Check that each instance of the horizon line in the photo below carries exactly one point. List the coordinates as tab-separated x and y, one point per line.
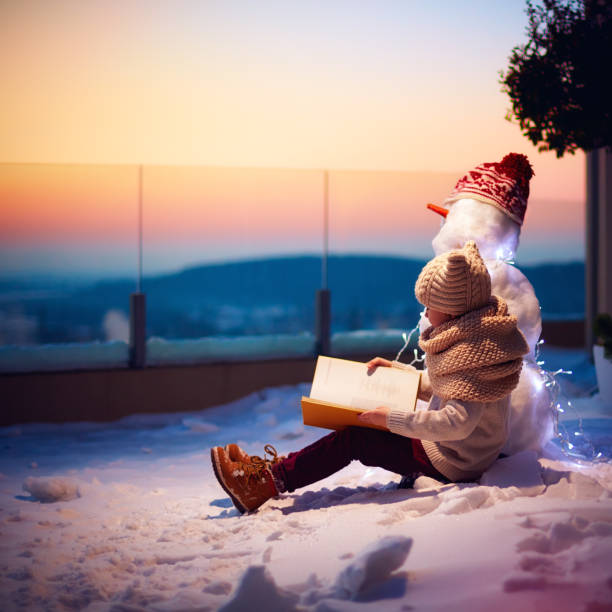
116	274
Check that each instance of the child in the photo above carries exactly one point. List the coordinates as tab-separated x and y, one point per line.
473	353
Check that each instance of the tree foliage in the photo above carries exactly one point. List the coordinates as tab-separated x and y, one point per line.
560	81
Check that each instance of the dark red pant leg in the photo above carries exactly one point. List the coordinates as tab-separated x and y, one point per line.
331	453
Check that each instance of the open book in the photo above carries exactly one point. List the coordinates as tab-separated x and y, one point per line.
343	389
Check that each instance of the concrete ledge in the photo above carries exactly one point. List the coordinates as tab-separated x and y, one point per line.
106	395
568	334
109	394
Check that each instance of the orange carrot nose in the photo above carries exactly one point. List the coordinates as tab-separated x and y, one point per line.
438	209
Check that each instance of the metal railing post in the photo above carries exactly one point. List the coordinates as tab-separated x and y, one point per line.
323	321
138	302
138	333
323	295
592	246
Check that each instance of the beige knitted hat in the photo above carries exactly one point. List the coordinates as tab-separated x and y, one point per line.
455	282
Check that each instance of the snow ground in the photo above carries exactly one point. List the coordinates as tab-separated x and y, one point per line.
128	516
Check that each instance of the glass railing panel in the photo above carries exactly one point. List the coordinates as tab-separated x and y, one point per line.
231	251
68	237
237	252
380	235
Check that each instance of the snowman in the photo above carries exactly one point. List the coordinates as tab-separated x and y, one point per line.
488	206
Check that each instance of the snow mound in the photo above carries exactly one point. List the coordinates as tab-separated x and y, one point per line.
49	490
373	567
258	591
521	470
571	553
369	577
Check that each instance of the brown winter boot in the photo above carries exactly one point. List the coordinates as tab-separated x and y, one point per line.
236	453
249	484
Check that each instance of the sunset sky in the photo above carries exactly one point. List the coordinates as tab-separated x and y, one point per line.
234	108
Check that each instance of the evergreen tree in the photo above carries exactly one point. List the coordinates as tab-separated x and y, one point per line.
560	81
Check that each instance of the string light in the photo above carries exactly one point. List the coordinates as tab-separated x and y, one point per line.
417	359
585	451
548	380
407	338
505	254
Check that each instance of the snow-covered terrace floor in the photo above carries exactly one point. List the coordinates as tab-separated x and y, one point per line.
133	519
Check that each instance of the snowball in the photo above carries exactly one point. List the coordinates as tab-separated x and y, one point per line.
50	490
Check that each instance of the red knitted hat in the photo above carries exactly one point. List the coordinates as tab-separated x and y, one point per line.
504	185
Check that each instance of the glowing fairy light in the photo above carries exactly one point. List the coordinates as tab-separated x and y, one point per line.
407	338
562	371
559	405
584	453
506	254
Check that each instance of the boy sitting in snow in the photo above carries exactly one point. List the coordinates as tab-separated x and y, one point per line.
473	353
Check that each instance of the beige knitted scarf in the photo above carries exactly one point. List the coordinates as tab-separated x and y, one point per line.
475	357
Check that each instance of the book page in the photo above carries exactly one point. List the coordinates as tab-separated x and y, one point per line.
348	383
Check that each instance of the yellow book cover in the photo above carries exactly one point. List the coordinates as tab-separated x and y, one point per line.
342	389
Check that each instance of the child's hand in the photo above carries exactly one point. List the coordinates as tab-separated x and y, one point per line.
376	362
378	416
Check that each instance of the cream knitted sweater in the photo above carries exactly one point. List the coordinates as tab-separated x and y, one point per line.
473	363
462	439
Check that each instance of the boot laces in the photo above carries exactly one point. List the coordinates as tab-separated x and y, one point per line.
255	469
270	450
270	457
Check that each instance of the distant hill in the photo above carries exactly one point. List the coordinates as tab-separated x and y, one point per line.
271	296
560	288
